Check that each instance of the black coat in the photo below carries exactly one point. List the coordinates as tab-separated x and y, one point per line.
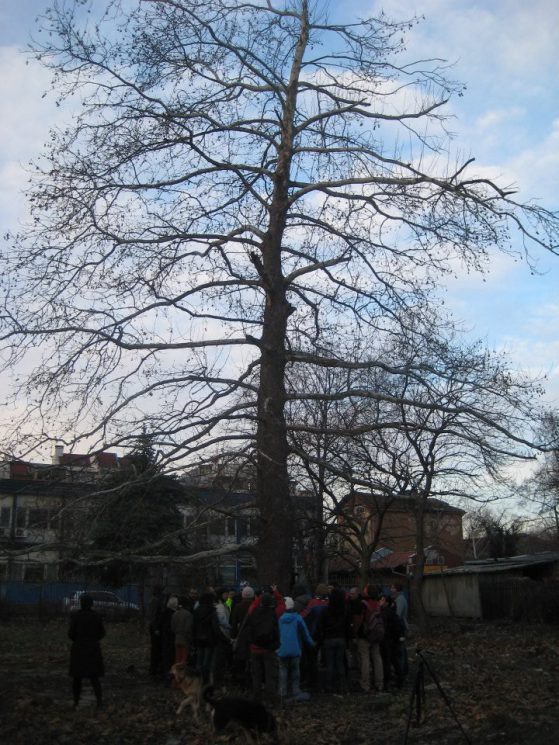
86	630
206	631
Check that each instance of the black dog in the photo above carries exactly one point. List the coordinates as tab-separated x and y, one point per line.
249	714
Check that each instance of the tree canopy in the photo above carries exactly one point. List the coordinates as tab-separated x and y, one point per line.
242	186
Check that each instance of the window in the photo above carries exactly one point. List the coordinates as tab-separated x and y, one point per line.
230	526
20	517
217	527
5	515
243	527
228	574
201	535
38	518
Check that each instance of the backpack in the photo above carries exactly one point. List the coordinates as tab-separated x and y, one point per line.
203	627
264	629
373	627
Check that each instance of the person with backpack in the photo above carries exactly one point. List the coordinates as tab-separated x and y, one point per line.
264	639
292	631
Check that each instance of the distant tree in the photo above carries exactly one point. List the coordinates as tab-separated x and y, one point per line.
493	535
242	186
543	487
139	510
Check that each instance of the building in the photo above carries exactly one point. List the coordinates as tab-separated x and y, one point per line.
521	588
34	519
43	507
385	529
220	511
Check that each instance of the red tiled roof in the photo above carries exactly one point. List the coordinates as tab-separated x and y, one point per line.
67	459
107	460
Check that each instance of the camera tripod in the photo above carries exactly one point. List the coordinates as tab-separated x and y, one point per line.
417	699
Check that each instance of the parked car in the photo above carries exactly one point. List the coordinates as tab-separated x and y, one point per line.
105	602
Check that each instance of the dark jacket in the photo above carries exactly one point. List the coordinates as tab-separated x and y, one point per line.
334	622
263	630
181	626
205	630
394	627
86	631
238	615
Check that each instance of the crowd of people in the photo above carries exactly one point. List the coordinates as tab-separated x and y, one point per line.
283	646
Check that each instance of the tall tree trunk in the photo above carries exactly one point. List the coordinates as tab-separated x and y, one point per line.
275	545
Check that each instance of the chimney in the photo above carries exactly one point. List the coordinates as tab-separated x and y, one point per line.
57	455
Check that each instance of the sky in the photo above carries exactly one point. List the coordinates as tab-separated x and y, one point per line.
504	51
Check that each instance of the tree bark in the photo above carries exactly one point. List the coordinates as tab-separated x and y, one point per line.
275	546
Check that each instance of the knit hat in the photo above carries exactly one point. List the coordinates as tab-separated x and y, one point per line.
247	592
322	590
268	600
289	603
173	602
300	589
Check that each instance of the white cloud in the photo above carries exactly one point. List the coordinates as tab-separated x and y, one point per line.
498	117
24	124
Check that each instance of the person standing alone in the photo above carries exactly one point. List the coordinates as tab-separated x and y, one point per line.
86	659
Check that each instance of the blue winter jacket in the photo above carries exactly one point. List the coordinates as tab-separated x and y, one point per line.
292	629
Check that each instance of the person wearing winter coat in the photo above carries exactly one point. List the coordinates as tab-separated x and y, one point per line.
222	658
263	636
154	617
311	615
292	630
401	606
86	659
168	636
239	636
181	626
394	630
333	631
205	634
368	650
301	597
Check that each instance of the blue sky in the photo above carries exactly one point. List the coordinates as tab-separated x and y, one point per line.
505	51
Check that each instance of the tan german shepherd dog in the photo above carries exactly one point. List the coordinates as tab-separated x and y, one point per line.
190	683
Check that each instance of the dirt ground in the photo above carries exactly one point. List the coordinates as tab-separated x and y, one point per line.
502	682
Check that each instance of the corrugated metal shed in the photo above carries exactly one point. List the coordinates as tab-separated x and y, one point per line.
507	564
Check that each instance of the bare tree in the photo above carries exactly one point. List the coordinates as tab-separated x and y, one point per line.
240	182
441	421
542	488
493	534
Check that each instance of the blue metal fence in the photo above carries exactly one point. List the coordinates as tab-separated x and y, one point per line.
46	598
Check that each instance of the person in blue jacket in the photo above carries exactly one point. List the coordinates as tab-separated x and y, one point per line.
293	631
